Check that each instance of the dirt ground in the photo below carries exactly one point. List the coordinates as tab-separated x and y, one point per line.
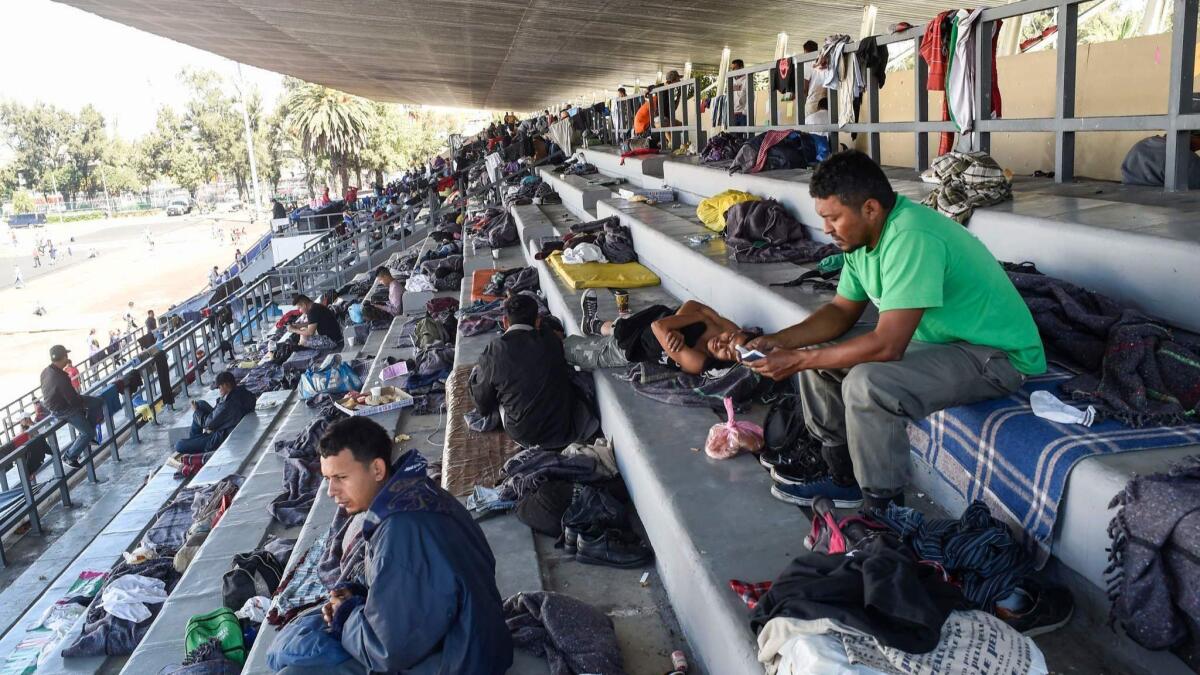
80	293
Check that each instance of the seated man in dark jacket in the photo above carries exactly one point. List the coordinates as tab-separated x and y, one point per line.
523	375
210	425
428	601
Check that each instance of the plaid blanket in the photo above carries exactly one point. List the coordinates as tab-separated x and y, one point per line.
1000	452
968	180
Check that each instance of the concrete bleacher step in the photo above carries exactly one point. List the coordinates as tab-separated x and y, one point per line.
578	193
684	498
125	531
644	172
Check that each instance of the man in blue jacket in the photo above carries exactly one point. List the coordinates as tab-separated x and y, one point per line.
210	425
428	601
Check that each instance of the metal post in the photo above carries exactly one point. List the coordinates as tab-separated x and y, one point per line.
920	109
873	144
772	100
111	429
833	118
31	510
1064	141
697	119
132	415
751	113
983	83
60	475
1183	61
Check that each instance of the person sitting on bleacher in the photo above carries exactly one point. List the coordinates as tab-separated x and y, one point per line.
952	330
523	376
321	331
211	424
687	338
395	303
428	601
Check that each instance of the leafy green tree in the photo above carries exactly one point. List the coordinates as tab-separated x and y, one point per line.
168	151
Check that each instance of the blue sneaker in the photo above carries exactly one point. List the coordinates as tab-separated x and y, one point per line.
803	494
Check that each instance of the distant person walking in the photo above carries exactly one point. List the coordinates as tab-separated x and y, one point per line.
277	211
67	404
130	322
37	257
151	323
93	343
214	277
18	278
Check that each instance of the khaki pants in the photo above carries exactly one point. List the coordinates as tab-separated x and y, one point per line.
593	352
861	414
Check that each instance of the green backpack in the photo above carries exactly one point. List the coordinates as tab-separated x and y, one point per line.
222	625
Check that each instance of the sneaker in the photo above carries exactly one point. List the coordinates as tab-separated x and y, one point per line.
1049	608
799	473
613	548
803	494
72	462
803	464
589	304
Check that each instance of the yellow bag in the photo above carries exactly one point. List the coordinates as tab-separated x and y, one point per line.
602	275
711	211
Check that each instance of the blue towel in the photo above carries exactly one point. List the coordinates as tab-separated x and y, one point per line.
305	642
998	451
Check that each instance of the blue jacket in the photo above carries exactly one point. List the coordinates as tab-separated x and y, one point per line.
230	410
431	604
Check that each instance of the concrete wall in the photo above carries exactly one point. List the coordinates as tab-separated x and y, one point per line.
284	249
1126	77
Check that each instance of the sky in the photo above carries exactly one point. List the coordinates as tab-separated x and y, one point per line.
70	58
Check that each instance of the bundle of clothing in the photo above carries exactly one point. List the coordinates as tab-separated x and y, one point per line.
576	168
763	231
877	608
721	147
780	149
573	636
512	281
604	240
106	634
499	231
1135	368
544	194
966	180
1154	571
301	472
668	385
445	273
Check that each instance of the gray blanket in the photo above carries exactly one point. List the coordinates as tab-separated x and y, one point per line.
573	636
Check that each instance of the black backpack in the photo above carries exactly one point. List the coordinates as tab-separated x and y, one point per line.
255	573
784	427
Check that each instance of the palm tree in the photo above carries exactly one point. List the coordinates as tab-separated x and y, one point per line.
331	124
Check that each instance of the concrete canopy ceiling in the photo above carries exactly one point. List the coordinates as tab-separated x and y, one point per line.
494	54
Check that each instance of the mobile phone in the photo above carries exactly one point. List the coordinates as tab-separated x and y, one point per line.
749	355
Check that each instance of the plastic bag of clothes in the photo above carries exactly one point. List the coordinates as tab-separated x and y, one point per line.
333	377
728	438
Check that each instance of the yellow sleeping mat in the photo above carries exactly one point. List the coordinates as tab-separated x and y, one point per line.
602	275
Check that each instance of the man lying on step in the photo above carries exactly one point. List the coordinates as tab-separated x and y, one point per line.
686	338
952	330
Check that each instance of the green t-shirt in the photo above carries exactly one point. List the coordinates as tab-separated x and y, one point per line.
926	261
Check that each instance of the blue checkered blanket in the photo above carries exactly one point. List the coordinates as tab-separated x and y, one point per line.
1018	463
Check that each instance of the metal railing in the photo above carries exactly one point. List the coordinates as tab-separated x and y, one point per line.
189	352
677	105
1178	122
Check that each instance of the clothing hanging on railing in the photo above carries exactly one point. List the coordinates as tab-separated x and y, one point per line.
948	47
783	78
828	59
851	84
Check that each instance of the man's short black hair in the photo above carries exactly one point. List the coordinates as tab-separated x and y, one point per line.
300	298
737	64
521	309
383	269
226	378
852	177
810	46
823	104
365	439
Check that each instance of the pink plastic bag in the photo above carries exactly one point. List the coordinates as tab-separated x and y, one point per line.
728	439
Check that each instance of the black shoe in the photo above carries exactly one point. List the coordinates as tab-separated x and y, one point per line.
570	540
589	306
802	471
1051	608
801	462
73	463
613	548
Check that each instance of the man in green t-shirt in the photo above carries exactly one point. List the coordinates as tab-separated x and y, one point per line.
952	330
